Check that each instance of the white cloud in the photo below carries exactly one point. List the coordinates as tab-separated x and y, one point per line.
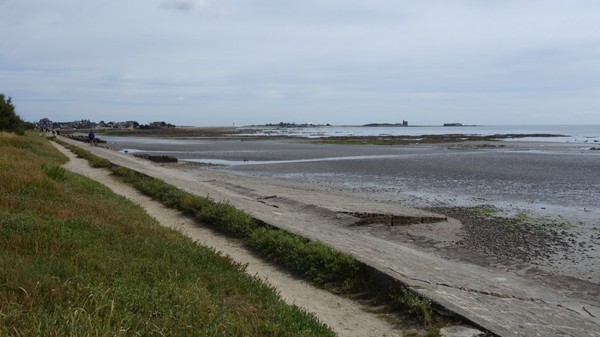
336	61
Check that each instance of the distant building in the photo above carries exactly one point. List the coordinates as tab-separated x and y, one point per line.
45	123
127	125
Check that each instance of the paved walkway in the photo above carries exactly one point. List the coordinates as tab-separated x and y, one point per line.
504	303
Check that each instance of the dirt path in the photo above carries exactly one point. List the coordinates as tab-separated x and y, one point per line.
344	316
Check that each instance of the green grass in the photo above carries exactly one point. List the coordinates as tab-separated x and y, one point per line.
78	260
491	212
484	210
314	261
311	260
520	217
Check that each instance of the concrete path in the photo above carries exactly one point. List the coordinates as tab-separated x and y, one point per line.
503	303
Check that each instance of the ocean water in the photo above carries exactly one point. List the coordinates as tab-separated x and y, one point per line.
571	133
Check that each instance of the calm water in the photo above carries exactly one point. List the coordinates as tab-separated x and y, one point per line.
572	133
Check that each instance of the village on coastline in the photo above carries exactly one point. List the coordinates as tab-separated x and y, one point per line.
47	124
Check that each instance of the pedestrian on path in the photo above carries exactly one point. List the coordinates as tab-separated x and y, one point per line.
92	138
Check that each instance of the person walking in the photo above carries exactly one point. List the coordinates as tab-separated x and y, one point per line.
92	138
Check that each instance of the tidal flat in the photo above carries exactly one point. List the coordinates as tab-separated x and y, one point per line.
551	188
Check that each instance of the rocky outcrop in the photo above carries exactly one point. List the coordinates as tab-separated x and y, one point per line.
157	159
392	219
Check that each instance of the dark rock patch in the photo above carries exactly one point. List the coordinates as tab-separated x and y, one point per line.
157	159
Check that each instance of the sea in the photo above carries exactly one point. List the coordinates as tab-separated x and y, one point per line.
569	133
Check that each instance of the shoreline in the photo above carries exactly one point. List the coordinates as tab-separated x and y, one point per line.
571	247
294	209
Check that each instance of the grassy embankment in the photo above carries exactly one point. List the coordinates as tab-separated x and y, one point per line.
78	260
313	261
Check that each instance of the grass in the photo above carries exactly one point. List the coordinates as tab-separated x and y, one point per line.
78	260
520	217
313	261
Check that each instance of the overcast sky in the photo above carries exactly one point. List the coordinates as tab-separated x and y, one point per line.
219	62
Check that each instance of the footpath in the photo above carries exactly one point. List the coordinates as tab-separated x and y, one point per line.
503	303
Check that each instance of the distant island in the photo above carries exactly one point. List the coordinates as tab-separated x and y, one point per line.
291	125
404	123
457	124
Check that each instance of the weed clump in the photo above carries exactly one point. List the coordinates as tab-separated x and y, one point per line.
55	172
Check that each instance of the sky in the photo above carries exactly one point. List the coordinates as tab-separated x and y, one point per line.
340	62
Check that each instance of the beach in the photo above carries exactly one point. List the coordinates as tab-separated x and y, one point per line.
472	254
554	186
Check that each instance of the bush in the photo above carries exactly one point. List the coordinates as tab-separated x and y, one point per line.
9	120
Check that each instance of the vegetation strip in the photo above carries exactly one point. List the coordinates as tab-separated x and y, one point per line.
423	139
79	260
313	261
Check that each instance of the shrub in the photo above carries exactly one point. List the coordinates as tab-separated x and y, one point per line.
9	120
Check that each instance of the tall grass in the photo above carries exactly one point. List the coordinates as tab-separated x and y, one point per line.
78	260
311	260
